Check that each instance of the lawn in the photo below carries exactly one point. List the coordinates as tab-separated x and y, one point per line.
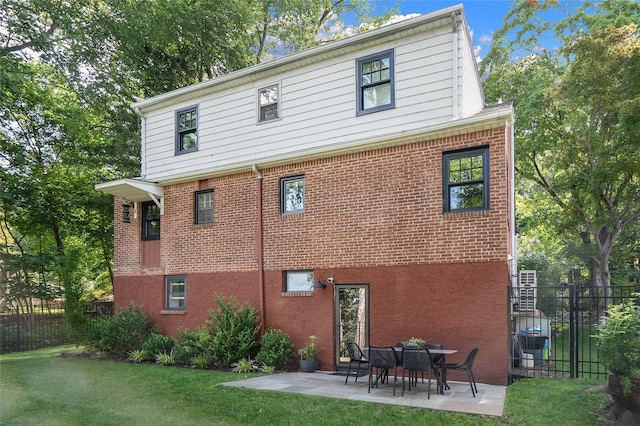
39	387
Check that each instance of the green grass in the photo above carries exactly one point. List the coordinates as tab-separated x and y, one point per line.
38	387
588	352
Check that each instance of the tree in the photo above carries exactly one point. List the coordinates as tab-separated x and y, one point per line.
68	74
578	112
286	26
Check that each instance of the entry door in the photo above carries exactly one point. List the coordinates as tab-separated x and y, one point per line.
351	307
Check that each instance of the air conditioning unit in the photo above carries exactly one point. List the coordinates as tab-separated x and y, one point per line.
527	290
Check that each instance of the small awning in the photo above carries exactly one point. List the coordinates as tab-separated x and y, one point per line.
132	190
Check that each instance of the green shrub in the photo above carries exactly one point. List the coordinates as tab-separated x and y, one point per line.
165	359
101	334
276	348
118	334
192	344
137	355
156	344
267	369
233	331
200	361
618	339
132	327
244	366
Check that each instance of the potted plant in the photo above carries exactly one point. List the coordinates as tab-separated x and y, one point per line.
414	342
618	339
308	361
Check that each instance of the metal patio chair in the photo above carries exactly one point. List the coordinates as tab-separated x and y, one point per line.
467	366
383	359
416	360
355	355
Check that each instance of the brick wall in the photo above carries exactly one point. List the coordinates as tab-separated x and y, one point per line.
373	217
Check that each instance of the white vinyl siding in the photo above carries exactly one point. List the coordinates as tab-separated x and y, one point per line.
318	110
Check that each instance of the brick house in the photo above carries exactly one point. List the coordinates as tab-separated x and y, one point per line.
360	190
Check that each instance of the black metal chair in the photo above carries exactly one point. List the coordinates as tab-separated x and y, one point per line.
355	355
438	361
467	366
416	360
383	359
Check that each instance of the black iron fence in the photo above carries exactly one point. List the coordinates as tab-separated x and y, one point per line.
556	339
42	325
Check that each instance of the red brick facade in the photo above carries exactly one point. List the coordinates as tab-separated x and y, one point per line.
373	217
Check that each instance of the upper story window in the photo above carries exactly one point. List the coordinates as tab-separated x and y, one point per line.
292	195
466	180
204	206
187	130
375	84
269	103
150	221
298	281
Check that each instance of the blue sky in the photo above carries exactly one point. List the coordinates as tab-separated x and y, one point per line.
483	16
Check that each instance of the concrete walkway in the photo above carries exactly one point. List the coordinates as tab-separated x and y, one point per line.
488	401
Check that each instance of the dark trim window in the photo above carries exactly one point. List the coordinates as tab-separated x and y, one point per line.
204	206
298	281
466	180
187	130
375	83
292	195
150	221
269	103
176	293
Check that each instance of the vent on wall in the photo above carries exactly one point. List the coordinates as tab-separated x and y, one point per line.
527	290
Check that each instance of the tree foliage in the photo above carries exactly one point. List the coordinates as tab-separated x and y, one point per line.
68	74
578	112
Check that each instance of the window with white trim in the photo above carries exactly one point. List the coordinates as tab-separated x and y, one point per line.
375	83
269	103
176	287
187	130
466	180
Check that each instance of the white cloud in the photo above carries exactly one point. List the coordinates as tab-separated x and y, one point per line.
486	38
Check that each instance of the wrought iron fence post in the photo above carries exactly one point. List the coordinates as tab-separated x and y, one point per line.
573	331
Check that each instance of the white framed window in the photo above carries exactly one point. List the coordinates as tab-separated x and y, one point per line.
298	281
176	290
466	180
292	195
204	206
375	83
187	130
269	103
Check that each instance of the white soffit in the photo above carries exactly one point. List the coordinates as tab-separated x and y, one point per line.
132	190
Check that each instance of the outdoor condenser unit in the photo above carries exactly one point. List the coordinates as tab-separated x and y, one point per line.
527	290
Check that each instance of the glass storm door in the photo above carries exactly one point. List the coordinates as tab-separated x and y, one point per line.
352	319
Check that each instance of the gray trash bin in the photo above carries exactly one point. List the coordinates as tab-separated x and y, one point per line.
534	345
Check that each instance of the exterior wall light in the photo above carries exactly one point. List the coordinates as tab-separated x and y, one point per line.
125	213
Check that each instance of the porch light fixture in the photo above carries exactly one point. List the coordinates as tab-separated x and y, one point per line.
125	213
320	284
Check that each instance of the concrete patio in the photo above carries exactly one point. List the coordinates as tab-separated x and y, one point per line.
488	401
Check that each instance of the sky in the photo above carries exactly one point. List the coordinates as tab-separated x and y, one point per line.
483	16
